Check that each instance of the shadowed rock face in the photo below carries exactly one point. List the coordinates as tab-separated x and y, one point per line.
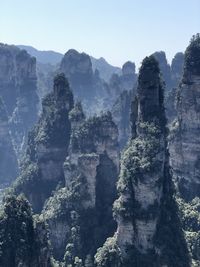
150	96
177	69
86	84
144	191
121	112
122	92
105	69
18	91
91	170
128	77
185	139
164	68
171	95
47	146
8	159
145	207
78	69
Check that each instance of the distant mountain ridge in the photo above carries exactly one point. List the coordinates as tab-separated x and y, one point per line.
52	57
45	57
105	69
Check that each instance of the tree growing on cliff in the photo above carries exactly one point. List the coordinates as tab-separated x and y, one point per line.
23	238
149	230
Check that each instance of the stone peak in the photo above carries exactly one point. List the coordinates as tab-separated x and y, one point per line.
160	55
75	54
192	57
128	68
150	91
149	71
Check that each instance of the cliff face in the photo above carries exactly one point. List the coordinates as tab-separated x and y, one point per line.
121	112
8	160
78	69
47	147
185	139
124	81
171	95
86	85
18	91
148	232
185	147
80	214
164	68
171	76
122	92
45	74
177	69
128	77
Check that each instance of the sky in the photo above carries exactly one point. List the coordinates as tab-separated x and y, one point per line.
118	30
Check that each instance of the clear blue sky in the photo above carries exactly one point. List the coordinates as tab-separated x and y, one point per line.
118	30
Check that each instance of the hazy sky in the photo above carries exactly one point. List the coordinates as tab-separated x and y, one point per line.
118	30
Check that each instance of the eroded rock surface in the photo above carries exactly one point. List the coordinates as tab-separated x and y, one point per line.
81	213
145	210
47	147
18	89
185	139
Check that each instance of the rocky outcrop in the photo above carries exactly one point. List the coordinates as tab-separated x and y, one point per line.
78	69
122	93
128	77
126	81
171	95
86	85
185	147
177	69
8	160
121	112
171	76
149	231
18	91
83	208
164	68
45	75
47	147
185	139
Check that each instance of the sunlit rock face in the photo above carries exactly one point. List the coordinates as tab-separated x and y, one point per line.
18	91
145	210
97	135
8	159
47	149
185	139
147	189
91	171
